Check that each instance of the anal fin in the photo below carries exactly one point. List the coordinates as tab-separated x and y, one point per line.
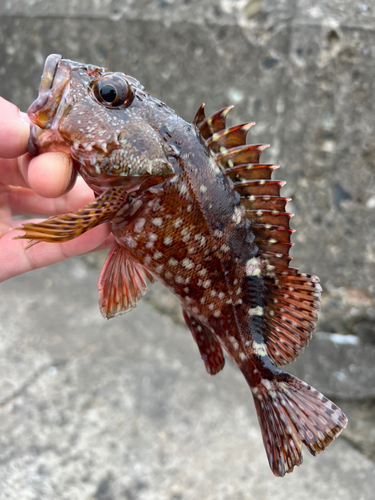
209	348
121	283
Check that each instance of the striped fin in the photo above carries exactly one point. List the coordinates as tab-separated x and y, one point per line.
214	123
229	137
121	284
292	413
293	302
292	298
66	227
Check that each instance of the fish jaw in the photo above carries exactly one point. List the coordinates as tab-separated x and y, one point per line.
53	103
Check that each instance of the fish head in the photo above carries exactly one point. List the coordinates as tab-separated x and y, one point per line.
104	120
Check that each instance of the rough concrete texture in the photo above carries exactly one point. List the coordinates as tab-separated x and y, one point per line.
303	72
115	410
98	410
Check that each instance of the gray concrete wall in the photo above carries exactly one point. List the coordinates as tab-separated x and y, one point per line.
304	71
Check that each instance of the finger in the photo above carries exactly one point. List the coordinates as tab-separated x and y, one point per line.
13	172
24	201
50	174
16	260
14	130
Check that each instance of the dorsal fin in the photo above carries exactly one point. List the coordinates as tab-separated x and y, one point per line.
213	123
292	298
199	117
229	137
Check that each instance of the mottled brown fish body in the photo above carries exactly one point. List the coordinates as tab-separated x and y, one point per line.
191	206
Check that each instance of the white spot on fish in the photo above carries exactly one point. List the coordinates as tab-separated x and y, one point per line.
206	283
158	221
188	263
256	311
203	188
158	255
168	241
252	267
234	342
178	222
217	313
259	348
139	225
173	262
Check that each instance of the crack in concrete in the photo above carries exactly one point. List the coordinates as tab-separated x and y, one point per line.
28	383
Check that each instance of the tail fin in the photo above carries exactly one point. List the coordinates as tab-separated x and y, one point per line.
290	413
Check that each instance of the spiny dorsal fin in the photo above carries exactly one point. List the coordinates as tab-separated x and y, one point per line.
293	298
229	137
214	123
200	116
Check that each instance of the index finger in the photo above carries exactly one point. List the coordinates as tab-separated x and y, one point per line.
14	130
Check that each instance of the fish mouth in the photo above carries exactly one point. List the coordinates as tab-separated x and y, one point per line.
45	112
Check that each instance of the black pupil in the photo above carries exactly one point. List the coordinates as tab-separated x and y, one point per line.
108	93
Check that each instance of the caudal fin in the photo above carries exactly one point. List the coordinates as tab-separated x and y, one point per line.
290	413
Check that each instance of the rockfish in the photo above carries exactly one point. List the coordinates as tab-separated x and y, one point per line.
192	206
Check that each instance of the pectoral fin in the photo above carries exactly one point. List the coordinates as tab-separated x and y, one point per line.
66	227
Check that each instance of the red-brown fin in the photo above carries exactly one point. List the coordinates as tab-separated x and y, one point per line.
66	227
229	137
199	117
292	305
150	277
248	153
292	413
292	299
214	123
209	348
121	283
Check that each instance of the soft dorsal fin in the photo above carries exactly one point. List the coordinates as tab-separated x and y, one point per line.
292	298
121	283
209	348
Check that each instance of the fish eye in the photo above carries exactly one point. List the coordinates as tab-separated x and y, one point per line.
113	91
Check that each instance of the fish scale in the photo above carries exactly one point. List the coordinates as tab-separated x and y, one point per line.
192	206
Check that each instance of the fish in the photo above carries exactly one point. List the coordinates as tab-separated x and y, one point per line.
192	206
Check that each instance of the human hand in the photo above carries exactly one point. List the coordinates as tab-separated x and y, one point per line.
36	186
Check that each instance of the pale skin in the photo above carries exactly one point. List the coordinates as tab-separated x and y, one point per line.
41	186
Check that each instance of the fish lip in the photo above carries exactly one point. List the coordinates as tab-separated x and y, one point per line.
46	111
46	83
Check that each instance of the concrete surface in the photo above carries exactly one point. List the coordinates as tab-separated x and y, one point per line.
92	409
98	410
304	72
